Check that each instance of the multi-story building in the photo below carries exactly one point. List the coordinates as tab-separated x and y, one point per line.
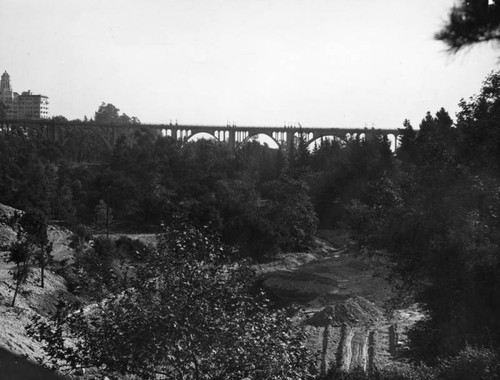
31	106
24	106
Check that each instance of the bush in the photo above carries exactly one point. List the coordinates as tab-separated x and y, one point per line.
81	234
407	372
471	364
130	248
400	372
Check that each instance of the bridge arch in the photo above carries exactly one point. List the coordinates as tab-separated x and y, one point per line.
255	136
317	140
108	140
202	135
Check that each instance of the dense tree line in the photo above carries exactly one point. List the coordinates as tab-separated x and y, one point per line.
261	199
440	222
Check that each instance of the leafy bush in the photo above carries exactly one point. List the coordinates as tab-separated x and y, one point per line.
81	234
471	364
400	372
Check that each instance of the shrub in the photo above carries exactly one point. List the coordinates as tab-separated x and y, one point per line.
81	234
400	372
471	364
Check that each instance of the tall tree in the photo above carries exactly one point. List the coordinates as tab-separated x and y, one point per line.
34	232
21	255
478	125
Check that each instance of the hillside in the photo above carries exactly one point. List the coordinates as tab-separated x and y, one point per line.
32	300
340	290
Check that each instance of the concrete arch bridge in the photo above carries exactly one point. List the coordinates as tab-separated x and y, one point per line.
234	135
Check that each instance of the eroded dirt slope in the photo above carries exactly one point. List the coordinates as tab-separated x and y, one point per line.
341	290
32	299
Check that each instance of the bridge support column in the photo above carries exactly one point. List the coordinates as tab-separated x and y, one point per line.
290	137
232	139
173	133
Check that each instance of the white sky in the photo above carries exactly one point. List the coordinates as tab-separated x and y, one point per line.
328	63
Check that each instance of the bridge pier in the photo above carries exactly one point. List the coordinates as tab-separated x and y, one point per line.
290	137
232	139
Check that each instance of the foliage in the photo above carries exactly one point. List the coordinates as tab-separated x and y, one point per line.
103	216
187	314
471	22
443	231
103	266
109	114
399	372
290	213
471	364
81	235
278	218
34	233
26	177
346	173
478	128
21	255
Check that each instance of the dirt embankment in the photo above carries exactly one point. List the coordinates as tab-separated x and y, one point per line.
341	290
32	300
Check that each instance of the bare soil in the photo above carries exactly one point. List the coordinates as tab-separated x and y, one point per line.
333	271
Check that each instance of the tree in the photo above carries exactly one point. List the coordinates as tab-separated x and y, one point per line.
478	127
34	234
299	157
109	114
21	255
444	231
59	119
103	215
32	245
471	22
187	314
289	213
